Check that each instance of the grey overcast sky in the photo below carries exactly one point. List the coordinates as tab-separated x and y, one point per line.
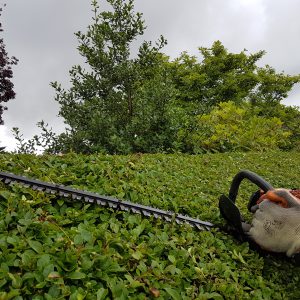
40	33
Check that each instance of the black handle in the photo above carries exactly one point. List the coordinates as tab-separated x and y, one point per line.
253	177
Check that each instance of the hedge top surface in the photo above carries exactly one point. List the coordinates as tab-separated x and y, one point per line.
51	248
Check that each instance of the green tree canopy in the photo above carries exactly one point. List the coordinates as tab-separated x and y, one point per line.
109	106
222	76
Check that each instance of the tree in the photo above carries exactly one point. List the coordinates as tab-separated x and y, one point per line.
6	86
222	76
109	105
126	101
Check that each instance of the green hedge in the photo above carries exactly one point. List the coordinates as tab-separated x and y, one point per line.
51	248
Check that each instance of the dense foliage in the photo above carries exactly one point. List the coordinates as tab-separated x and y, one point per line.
51	248
128	102
119	104
229	127
221	76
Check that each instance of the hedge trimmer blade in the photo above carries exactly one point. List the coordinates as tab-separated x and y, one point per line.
114	203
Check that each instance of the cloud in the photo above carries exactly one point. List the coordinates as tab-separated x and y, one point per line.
6	139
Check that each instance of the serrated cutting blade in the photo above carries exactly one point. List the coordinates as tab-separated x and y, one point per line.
85	196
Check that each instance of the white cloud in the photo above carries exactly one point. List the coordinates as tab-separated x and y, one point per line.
6	139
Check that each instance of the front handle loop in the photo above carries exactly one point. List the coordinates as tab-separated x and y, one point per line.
227	205
253	177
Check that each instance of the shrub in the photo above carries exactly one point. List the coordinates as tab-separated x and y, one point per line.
230	128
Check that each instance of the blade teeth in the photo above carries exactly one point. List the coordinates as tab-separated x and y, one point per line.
124	208
7	181
76	197
40	189
64	194
199	227
135	210
50	191
113	205
167	218
89	199
178	221
146	213
156	216
101	202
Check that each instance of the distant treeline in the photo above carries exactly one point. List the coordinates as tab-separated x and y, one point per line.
121	103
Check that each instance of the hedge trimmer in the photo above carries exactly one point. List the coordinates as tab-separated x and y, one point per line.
84	196
228	208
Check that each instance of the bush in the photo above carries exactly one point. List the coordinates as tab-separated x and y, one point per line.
238	128
54	248
290	116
